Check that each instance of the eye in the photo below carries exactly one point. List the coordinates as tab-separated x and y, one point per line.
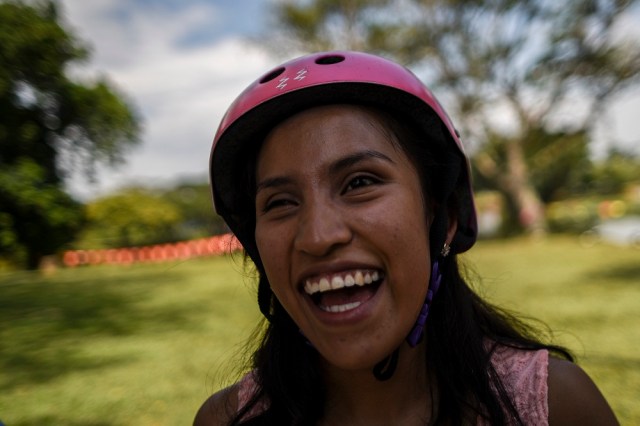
277	202
361	181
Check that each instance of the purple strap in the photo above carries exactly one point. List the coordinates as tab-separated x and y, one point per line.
415	336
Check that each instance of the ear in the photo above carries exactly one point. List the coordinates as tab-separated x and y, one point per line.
443	228
451	230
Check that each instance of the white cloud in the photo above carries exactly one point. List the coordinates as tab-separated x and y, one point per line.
619	126
182	92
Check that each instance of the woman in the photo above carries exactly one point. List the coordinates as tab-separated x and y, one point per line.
347	185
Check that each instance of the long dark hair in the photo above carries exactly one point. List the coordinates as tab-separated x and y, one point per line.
462	330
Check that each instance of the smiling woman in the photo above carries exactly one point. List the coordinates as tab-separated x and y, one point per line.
351	215
348	187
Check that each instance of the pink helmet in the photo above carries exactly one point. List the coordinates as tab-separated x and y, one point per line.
320	79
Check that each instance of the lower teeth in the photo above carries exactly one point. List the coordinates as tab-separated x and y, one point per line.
341	308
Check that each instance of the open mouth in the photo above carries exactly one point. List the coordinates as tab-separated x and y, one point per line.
344	291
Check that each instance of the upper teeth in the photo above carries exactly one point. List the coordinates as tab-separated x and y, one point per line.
359	278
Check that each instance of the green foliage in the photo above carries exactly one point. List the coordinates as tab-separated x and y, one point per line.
194	201
36	217
144	216
327	24
24	33
584	192
132	217
614	173
49	126
558	162
573	216
101	128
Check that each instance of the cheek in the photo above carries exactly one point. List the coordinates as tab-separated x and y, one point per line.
272	249
267	249
403	225
417	225
409	240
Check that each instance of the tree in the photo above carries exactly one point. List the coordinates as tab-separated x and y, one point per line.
194	202
139	216
614	173
131	217
50	125
558	163
35	216
508	71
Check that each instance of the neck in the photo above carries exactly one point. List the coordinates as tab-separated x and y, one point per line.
356	397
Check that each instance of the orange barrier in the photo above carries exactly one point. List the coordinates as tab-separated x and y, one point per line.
183	250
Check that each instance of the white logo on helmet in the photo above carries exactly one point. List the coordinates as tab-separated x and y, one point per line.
282	83
300	74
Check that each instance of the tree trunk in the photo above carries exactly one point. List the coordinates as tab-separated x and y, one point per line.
517	186
33	260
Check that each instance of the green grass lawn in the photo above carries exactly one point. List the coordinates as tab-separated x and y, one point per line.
146	344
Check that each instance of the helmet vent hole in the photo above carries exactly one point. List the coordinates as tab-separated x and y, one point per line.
273	74
328	60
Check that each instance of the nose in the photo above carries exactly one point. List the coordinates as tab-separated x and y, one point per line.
321	230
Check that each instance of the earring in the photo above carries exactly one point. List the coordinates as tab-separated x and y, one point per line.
446	248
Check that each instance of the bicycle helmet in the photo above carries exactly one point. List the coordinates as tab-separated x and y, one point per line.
333	78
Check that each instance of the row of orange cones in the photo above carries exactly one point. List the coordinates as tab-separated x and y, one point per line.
211	246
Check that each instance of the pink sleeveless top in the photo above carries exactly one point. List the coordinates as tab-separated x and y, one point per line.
523	374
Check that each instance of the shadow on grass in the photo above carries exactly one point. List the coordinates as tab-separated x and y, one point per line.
45	323
51	420
26	366
629	271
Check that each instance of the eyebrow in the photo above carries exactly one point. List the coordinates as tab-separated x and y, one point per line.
355	158
273	182
335	167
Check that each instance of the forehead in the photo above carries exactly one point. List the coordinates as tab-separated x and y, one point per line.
323	133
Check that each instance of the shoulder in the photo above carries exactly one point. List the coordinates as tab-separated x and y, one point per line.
219	408
574	399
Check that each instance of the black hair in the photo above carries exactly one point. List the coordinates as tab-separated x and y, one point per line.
462	330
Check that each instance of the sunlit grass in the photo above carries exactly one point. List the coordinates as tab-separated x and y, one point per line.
590	298
146	344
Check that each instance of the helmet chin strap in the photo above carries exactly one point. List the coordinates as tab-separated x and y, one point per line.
384	370
417	332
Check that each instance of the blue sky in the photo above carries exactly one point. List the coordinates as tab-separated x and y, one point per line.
182	62
231	17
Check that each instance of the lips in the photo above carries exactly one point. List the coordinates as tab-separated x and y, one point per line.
344	291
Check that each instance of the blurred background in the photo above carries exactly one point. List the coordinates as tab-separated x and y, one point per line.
115	303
